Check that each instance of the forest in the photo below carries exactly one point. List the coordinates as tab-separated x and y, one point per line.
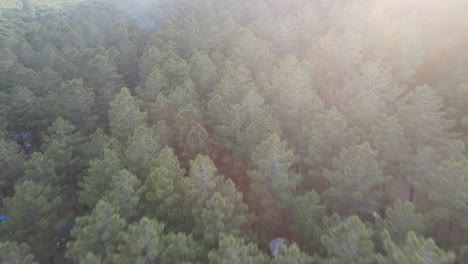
233	131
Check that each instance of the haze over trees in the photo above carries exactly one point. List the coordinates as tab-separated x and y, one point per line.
197	131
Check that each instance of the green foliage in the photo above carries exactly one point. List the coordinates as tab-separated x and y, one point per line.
402	218
124	193
306	215
202	72
97	233
292	98
354	181
423	120
416	249
124	116
11	252
61	145
40	168
292	255
325	136
389	141
33	213
163	191
75	103
142	149
273	163
349	242
11	165
452	186
273	184
98	178
217	207
142	243
180	248
97	143
310	109
236	250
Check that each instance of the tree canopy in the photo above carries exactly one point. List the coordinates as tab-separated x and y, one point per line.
197	131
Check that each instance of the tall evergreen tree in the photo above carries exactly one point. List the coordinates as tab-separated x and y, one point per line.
355	181
273	184
99	176
236	250
124	115
33	215
402	218
416	249
97	233
349	242
14	253
11	166
143	148
142	243
124	193
217	206
423	120
164	191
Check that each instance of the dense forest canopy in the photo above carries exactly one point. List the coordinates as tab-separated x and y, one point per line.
233	131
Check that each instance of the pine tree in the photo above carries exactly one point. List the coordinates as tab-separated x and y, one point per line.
242	126
164	193
145	242
197	142
75	102
449	178
155	83
349	241
224	212
236	250
423	120
124	115
306	215
13	253
447	188
390	143
217	206
97	233
273	163
293	101
324	138
235	83
293	255
11	166
416	249
23	111
174	68
402	218
61	145
90	258
33	214
273	184
124	192
97	143
142	243
355	181
181	248
203	72
40	168
99	70
98	178
142	150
